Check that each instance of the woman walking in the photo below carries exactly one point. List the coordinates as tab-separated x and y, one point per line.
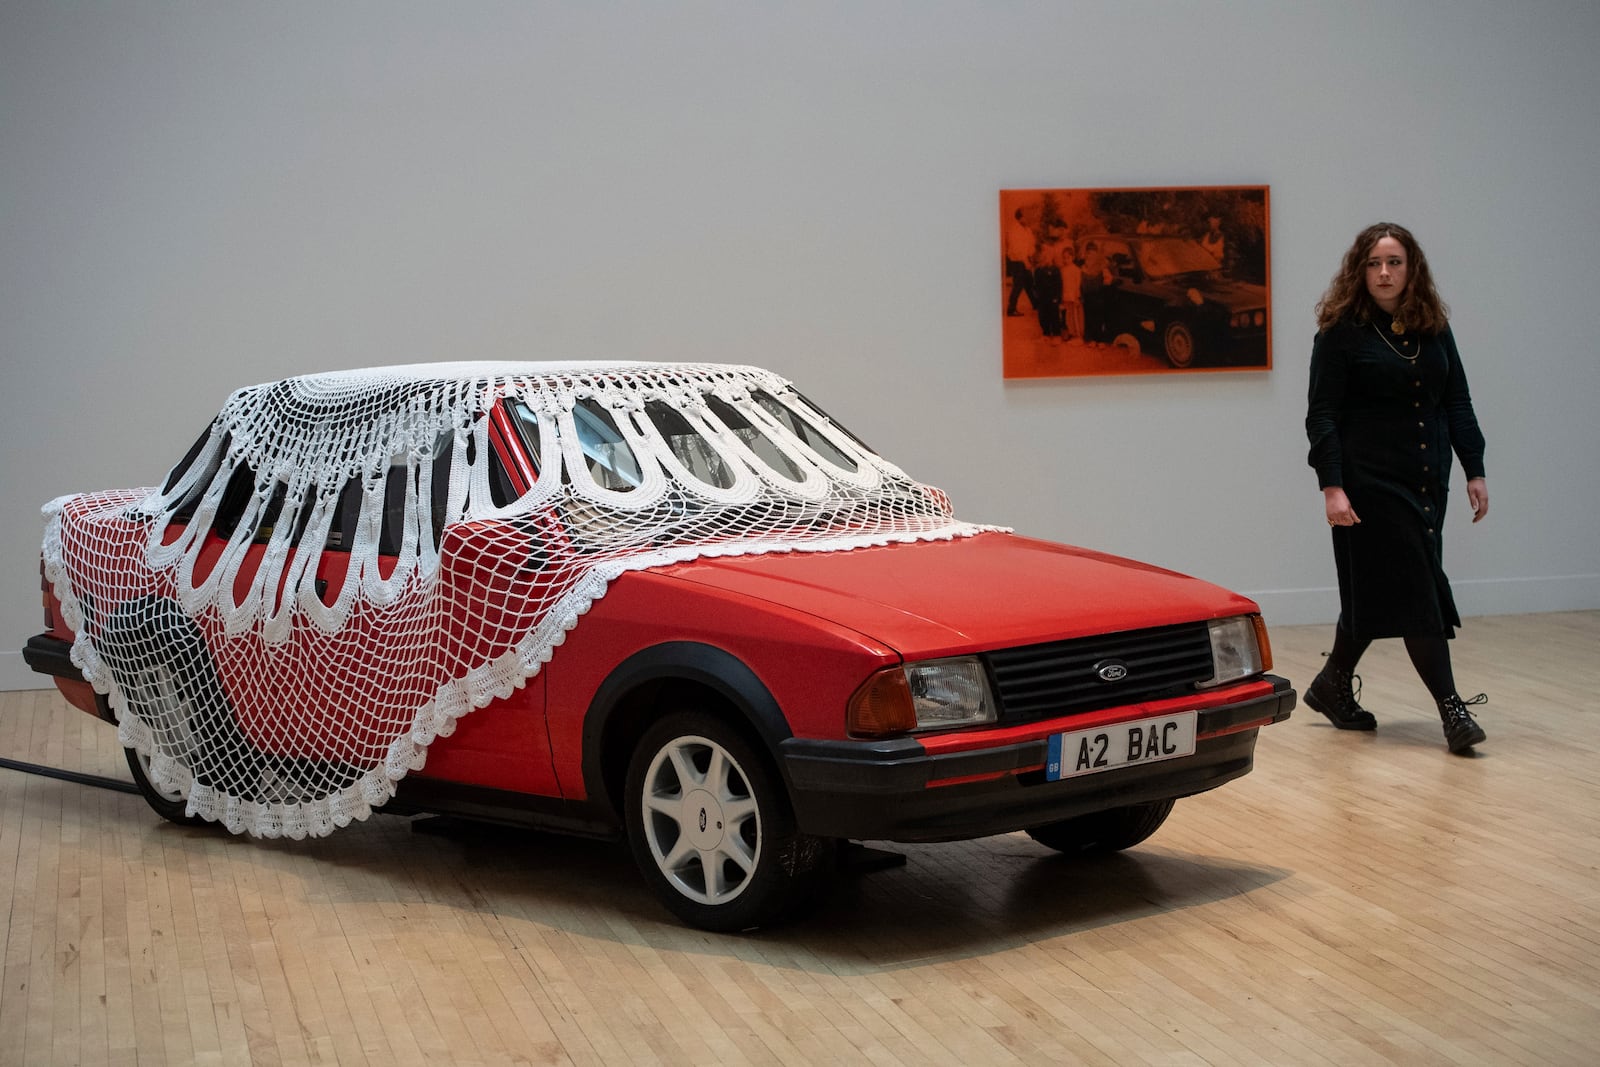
1388	404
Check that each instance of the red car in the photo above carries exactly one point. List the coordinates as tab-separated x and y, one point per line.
675	602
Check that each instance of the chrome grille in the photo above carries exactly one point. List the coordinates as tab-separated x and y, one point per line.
1059	678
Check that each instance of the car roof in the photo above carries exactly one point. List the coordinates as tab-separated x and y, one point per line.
480	370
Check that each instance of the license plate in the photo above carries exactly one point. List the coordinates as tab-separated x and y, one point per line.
1127	744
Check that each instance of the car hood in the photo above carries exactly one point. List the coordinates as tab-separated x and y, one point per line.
992	590
1233	295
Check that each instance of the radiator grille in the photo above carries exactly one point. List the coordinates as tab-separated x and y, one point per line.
1043	681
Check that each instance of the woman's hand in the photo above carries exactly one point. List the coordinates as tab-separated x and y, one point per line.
1340	513
1478	497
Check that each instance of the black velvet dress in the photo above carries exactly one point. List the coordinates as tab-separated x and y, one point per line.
1386	410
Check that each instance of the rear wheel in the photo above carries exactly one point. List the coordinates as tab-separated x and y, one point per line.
1104	831
712	829
170	804
161	663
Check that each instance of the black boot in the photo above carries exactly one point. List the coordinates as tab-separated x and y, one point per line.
1331	693
1461	731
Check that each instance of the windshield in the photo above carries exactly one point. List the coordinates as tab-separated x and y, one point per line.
613	464
1174	255
611	461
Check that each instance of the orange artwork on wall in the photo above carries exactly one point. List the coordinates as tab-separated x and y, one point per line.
1135	281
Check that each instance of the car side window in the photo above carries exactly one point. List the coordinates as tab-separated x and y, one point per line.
443	460
1120	257
271	513
346	513
236	496
392	530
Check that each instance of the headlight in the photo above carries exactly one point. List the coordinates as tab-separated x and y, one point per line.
1239	649
935	694
949	692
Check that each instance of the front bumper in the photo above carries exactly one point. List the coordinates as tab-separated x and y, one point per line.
897	791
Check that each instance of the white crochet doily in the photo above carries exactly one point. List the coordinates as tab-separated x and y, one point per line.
339	571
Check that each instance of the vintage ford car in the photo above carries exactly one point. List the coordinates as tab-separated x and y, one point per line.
1171	295
673	602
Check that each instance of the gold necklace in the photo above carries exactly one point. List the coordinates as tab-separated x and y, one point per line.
1409	359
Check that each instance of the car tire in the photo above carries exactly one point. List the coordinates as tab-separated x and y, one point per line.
1177	341
1104	831
162	665
171	805
712	830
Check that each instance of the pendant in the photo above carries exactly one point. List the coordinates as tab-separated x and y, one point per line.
1397	326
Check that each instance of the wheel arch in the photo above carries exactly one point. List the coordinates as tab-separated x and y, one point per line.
648	683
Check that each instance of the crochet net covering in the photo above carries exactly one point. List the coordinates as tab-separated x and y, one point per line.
346	563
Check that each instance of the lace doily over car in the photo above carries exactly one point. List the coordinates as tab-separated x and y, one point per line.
347	563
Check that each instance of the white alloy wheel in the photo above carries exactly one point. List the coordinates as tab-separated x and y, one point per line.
1179	344
701	820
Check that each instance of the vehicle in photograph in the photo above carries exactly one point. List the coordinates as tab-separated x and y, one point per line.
674	603
1172	297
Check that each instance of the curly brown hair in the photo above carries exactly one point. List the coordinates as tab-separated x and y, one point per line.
1347	297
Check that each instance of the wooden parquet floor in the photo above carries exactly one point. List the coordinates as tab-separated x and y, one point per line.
1357	899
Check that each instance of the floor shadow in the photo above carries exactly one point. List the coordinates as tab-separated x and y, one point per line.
951	900
946	901
1003	892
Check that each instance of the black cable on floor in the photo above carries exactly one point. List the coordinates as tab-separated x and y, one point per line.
97	780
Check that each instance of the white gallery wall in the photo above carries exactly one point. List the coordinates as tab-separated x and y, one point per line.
197	197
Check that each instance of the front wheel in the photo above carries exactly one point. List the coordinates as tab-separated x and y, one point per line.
1177	340
712	830
1104	831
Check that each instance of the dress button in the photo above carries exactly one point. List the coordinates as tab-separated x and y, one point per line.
1424	470
1424	447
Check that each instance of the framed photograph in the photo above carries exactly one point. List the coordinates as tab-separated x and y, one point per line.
1135	281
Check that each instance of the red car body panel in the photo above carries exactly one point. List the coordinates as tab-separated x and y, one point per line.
813	626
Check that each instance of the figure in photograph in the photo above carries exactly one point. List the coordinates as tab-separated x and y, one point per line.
1213	240
1388	404
1047	289
1092	275
1019	252
1071	293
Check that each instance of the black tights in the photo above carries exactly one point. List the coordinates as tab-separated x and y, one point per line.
1430	655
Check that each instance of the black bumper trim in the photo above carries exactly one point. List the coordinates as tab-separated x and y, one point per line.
881	790
48	654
